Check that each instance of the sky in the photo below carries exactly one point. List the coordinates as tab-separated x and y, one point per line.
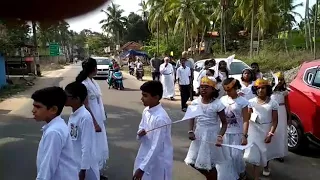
92	19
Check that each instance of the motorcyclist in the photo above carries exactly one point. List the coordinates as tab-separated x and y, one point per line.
139	69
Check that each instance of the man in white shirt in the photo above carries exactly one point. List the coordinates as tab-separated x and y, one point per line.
167	79
154	160
55	158
82	132
184	80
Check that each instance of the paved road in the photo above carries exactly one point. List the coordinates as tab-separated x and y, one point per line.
19	137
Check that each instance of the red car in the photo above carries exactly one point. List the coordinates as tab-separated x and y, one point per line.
304	102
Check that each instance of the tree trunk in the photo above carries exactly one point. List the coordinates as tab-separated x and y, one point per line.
306	24
259	35
221	29
202	38
36	53
314	30
158	38
185	37
252	28
224	32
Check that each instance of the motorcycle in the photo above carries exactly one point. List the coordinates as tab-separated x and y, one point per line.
115	81
131	71
139	73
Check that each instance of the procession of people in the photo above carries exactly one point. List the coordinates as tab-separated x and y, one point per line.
250	113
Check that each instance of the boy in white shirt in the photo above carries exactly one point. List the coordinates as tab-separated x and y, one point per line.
154	160
184	80
82	132
55	159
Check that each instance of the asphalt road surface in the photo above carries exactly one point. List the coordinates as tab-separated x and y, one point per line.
20	135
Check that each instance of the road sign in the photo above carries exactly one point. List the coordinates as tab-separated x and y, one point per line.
54	49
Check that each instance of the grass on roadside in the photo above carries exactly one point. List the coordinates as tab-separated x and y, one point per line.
275	61
10	90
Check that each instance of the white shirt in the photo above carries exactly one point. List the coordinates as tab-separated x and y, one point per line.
263	111
55	158
155	155
234	114
82	133
183	74
166	70
210	117
247	90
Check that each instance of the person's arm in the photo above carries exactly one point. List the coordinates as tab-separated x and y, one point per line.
246	117
52	144
95	123
286	102
178	75
189	75
156	146
86	127
224	123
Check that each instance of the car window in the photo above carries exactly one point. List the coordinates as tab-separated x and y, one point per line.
309	75
199	66
237	67
316	80
103	61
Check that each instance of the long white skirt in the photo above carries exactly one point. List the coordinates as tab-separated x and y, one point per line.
279	145
168	86
257	154
203	153
102	149
232	169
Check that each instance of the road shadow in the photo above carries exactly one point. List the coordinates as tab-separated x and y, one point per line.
311	151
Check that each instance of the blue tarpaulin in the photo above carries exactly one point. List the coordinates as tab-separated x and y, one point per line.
133	53
2	72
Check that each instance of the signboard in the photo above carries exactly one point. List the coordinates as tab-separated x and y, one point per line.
54	49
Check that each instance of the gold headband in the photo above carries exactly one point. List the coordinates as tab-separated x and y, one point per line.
207	81
261	82
230	85
280	75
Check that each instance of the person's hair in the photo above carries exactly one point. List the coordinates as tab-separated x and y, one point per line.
212	60
88	67
77	90
51	96
256	64
236	86
154	88
219	65
268	87
252	74
211	71
277	88
215	93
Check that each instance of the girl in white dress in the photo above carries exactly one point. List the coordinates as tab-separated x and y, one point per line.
247	81
237	116
205	151
262	126
256	70
280	94
94	104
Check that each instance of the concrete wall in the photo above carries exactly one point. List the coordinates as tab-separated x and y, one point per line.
2	72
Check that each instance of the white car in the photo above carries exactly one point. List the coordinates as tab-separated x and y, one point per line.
103	64
236	68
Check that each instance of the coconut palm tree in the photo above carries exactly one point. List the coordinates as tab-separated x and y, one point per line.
115	23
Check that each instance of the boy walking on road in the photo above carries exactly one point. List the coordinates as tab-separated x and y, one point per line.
55	159
184	80
82	132
155	157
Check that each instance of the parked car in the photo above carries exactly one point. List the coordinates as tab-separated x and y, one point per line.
236	69
103	66
304	102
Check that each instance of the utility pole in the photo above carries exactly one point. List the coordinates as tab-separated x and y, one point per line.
35	50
